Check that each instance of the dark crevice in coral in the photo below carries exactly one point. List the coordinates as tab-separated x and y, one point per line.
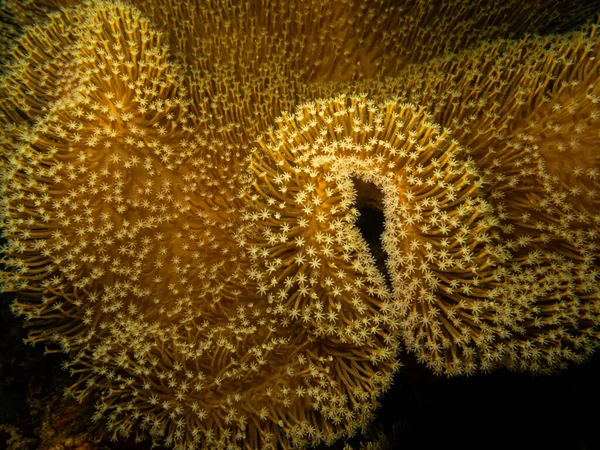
371	223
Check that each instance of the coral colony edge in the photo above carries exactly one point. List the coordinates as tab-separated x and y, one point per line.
181	185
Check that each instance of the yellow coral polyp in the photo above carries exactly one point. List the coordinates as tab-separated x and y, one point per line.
180	192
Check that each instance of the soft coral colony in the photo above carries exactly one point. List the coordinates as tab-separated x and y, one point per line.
179	207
